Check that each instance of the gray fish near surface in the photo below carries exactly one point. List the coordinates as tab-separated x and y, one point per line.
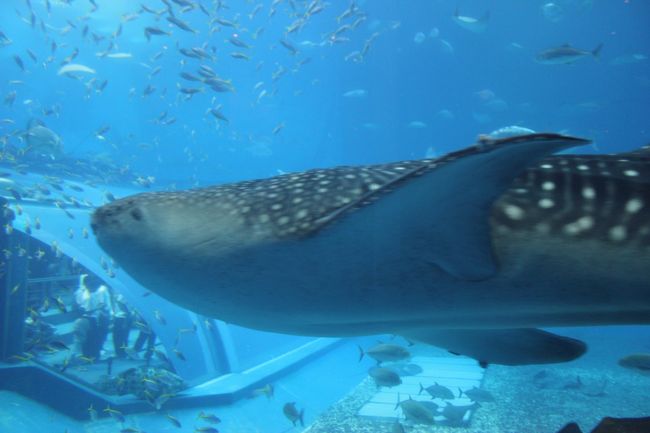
335	248
385	353
438	391
416	412
478	395
565	54
384	377
639	362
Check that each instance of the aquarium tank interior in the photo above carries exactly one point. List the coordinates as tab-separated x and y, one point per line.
324	216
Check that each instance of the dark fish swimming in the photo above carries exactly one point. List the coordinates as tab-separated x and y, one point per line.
293	415
471	252
639	362
438	391
416	411
565	54
385	353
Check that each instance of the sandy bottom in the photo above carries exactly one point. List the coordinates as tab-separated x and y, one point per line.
524	404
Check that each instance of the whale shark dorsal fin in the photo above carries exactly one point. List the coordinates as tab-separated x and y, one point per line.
503	346
450	203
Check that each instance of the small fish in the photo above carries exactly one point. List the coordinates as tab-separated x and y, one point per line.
179	354
236	41
191	90
216	112
225	23
115	414
293	415
477	395
19	62
174	421
92	412
385	353
356	93
22	358
181	24
565	54
476	25
289	46
278	128
74	67
60	304
10	98
438	391
159	317
149	31
239	55
266	390
208	417
189	77
62	369
32	55
206	430
258	7
119	56
639	362
148	90
384	377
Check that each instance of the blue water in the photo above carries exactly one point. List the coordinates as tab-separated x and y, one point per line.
410	96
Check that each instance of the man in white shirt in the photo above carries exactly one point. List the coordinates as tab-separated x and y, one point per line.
94	300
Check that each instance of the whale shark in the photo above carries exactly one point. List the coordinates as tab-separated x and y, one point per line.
474	251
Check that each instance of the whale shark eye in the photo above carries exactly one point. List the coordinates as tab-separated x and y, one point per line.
136	214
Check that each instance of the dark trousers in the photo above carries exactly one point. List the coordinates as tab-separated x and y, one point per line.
96	336
150	338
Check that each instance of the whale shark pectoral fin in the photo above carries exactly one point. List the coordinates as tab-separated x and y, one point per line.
503	346
467	254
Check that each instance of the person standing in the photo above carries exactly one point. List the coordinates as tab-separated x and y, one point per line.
91	329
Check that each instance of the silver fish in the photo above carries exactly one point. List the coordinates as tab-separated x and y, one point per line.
565	54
